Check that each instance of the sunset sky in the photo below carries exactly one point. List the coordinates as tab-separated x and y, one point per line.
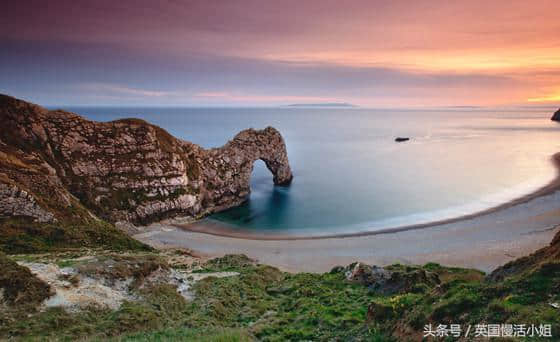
371	53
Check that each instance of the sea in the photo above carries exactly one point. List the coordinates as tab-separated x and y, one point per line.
351	176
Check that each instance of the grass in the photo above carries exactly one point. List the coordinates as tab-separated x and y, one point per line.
464	297
19	286
263	303
188	334
21	236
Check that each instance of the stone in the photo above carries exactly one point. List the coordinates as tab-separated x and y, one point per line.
17	202
392	279
125	170
401	139
556	116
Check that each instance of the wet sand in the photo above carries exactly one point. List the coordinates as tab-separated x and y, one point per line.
484	240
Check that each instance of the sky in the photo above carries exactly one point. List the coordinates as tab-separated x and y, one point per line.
374	53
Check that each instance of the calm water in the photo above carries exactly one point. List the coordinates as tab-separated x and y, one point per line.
350	175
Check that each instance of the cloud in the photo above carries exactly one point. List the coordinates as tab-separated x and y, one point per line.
389	52
120	91
253	98
551	97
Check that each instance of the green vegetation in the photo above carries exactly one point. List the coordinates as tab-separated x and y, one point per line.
19	286
24	236
465	298
260	303
263	303
229	262
201	335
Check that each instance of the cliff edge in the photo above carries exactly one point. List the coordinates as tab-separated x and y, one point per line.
53	161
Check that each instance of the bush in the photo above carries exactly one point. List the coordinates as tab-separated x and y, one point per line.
19	286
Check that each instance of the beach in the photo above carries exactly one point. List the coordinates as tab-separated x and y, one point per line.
483	241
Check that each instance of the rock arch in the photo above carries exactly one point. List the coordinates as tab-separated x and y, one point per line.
227	170
124	170
266	145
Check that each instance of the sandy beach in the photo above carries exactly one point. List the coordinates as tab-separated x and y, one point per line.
484	240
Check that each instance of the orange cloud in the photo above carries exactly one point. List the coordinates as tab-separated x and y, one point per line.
555	97
290	50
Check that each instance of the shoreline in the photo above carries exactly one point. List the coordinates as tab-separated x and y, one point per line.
483	241
220	229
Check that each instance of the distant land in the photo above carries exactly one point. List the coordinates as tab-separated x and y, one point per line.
332	104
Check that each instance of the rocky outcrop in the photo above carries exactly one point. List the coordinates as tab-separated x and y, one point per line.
556	116
17	202
391	279
125	170
100	280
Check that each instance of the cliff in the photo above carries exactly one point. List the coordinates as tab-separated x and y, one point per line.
556	116
53	161
541	259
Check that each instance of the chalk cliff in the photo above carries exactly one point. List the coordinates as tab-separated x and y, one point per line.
124	170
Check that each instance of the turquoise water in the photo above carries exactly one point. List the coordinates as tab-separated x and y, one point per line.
350	175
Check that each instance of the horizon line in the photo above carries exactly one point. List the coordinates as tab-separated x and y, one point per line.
316	107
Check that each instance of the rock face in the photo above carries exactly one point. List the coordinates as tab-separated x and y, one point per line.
391	279
124	170
556	116
17	202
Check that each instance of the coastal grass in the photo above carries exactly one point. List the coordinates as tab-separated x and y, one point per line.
23	236
19	286
186	334
262	303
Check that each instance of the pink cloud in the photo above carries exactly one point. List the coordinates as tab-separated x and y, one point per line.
253	98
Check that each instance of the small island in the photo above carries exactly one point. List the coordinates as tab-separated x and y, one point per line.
323	105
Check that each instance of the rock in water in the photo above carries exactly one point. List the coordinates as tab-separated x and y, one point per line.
401	139
124	170
556	116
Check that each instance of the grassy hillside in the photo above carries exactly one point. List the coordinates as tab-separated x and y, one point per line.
24	236
263	303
